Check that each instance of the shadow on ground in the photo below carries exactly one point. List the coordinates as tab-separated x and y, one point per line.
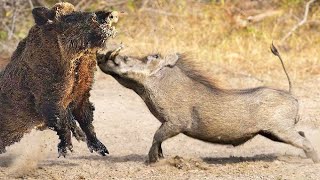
115	159
233	159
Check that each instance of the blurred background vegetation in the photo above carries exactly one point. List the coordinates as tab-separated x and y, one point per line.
232	35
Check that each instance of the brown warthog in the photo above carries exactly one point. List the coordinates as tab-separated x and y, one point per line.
186	101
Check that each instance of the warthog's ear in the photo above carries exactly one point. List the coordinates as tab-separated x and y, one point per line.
42	15
171	59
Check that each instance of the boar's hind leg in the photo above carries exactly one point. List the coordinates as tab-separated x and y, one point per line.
76	131
2	147
84	115
57	120
165	131
297	139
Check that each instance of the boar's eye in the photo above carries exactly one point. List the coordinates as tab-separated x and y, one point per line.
70	18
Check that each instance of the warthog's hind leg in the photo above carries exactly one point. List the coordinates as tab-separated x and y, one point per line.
298	140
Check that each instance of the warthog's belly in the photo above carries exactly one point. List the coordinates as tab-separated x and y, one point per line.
222	139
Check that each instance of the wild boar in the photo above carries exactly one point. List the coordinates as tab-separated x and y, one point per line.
49	77
187	101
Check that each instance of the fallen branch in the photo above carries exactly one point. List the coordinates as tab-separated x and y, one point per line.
304	20
262	16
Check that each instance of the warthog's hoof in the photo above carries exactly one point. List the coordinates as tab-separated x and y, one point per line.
314	156
98	147
153	158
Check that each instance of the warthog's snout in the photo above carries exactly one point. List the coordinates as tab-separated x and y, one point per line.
108	55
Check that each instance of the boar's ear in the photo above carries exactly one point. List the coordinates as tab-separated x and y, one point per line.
171	59
42	15
63	8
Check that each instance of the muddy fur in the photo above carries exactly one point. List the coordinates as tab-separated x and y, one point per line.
186	101
49	78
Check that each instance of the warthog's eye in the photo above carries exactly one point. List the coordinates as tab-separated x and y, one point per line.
156	56
153	57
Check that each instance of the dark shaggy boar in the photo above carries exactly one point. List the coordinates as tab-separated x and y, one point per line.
186	101
49	78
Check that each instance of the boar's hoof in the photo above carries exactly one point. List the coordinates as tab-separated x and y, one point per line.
78	134
62	149
98	147
2	150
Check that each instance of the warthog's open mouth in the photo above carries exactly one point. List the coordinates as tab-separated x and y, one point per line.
108	54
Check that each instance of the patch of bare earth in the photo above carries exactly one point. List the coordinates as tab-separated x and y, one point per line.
126	127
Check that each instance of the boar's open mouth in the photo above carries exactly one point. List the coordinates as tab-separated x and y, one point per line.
106	28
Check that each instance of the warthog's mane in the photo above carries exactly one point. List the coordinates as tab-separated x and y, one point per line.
194	71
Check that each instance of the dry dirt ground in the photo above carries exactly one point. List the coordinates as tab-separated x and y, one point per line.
124	124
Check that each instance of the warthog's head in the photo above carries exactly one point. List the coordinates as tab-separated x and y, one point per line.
75	30
133	68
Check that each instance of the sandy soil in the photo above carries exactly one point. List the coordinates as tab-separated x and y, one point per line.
124	124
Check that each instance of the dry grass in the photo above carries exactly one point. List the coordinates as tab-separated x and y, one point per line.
211	33
218	34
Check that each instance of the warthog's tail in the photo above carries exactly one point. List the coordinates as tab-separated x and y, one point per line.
276	53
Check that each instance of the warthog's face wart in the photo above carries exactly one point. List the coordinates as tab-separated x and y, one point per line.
76	30
134	68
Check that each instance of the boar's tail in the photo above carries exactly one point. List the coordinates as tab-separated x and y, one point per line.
276	53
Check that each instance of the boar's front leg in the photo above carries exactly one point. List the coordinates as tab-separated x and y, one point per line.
57	119
166	131
84	115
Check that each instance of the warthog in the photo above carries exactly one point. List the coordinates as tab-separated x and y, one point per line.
186	101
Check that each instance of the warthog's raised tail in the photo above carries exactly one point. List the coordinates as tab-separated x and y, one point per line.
275	51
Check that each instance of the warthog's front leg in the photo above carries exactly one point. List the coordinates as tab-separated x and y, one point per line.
84	115
165	132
